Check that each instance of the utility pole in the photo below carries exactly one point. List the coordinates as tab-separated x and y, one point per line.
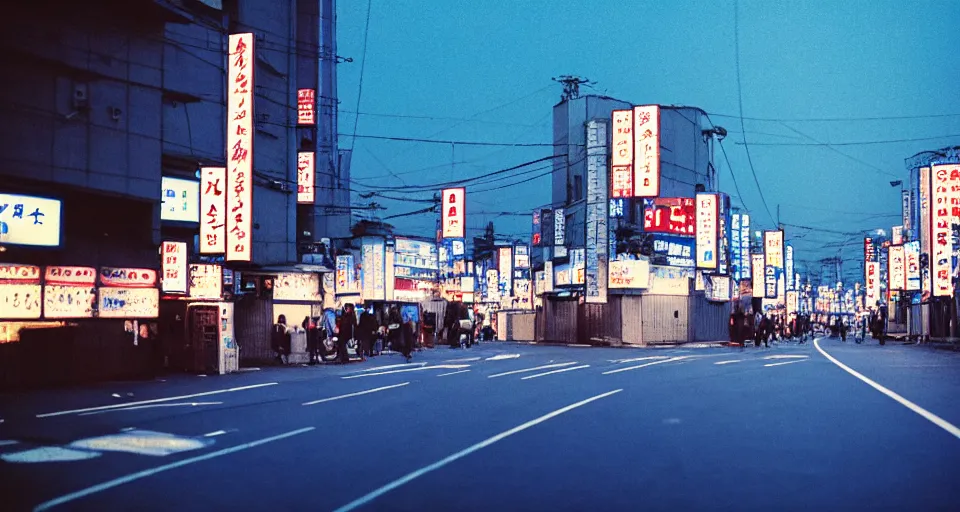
571	86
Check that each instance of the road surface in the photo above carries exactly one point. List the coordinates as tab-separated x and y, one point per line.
506	427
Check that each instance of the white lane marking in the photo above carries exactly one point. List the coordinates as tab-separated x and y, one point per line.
8	442
127	429
391	367
358	393
635	359
730	361
158	400
405	370
556	371
216	433
409	477
786	357
67	498
785	362
452	373
501	357
463	360
579	345
544	367
672	359
933	418
149	406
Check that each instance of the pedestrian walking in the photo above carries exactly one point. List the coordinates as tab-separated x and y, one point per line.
347	331
280	339
313	339
394	329
367	332
766	327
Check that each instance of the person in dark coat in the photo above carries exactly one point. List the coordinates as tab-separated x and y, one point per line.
451	322
736	326
395	329
367	332
280	339
407	337
313	338
347	328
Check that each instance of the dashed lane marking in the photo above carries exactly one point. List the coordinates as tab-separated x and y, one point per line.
556	371
783	363
618	370
348	395
405	370
526	370
452	373
729	362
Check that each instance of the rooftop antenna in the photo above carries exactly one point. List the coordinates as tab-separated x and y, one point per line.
571	86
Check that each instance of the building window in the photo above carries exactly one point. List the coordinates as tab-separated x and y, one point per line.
578	187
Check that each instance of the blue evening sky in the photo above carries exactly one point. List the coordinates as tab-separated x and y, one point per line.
481	71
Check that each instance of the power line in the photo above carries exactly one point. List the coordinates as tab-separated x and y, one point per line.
835	119
363	63
438	118
860	143
435	186
736	37
455	142
837	151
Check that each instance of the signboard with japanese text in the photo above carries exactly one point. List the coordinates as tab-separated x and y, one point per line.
872	283
736	246
745	260
924	228
521	257
707	229
897	271
306	106
128	303
536	238
597	227
773	249
213	206
673	251
944	211
896	236
562	275
756	262
717	288
548	280
128	277
792	302
174	266
629	274
206	281
373	256
179	200
346	283
577	265
453	214
68	276
723	234
617	208
20	292
297	286
68	301
30	220
869	251
306	177
559	227
621	157
670	215
788	267
240	92
505	266
905	203
670	281
646	151
911	253
416	259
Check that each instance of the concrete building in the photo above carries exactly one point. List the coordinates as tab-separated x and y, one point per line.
686	158
105	99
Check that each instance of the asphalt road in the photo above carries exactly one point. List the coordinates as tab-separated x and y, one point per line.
506	427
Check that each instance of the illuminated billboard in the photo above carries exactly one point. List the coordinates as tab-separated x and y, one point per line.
174	266
213	206
911	252
29	220
179	200
453	215
306	172
944	210
897	268
69	292
670	215
306	106
621	156
646	151
240	92
707	230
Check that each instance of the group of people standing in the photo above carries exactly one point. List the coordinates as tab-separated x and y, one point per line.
763	327
330	334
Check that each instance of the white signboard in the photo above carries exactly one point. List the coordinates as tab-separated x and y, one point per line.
646	151
240	89
206	282
213	206
547	277
300	287
707	230
897	271
621	156
174	277
559	227
788	267
306	171
670	280
745	260
773	249
629	274
180	200
911	252
872	291
925	216
129	302
505	266
945	200
453	214
69	292
757	278
29	220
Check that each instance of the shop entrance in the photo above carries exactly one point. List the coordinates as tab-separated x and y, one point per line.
204	337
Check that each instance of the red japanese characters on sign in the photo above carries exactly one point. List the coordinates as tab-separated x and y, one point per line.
646	151
213	203
174	267
872	269
673	215
621	154
73	276
306	169
944	211
239	221
453	218
19	273
128	277
306	106
868	249
897	268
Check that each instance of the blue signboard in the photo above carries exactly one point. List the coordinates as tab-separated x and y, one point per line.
674	251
